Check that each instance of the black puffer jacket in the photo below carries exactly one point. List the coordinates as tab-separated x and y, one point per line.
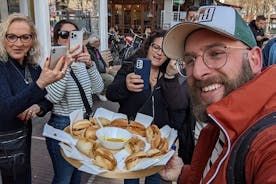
175	92
150	102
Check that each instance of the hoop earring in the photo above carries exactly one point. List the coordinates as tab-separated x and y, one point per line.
31	52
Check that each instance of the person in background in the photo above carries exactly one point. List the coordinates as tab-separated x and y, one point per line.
22	94
191	14
127	89
66	98
106	73
147	32
269	53
257	27
224	70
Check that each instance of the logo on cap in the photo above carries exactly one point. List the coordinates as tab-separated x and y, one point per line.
206	14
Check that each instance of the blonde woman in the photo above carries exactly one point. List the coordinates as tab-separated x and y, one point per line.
22	94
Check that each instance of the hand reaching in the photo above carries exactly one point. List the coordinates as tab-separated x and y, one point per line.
48	76
171	69
172	169
85	58
134	82
29	113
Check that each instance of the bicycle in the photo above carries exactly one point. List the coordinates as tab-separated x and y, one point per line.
116	44
132	45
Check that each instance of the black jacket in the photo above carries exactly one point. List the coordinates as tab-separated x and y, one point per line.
146	102
16	96
257	32
96	56
175	92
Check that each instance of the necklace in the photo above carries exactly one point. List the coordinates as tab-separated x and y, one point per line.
27	78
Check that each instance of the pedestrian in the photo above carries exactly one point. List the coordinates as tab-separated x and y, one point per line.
257	27
106	73
223	68
269	53
66	97
22	94
191	14
127	89
147	32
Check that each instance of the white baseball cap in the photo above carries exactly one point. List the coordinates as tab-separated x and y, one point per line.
223	20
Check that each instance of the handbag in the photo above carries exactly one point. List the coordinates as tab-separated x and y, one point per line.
88	109
13	149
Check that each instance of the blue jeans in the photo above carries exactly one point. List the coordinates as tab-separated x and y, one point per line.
64	173
152	179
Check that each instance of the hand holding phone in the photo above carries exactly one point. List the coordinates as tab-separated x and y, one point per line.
56	53
76	38
142	68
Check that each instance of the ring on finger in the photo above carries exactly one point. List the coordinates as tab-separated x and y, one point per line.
62	71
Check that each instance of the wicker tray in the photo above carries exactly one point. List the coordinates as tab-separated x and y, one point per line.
116	173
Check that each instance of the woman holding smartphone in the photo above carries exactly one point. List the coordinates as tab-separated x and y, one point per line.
22	94
66	98
128	89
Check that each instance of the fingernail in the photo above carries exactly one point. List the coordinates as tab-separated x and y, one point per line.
47	58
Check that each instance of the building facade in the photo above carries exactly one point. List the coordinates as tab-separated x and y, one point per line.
97	16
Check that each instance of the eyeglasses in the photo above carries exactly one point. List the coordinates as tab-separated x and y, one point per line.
156	47
214	58
64	34
23	38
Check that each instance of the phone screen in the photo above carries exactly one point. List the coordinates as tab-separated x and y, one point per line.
142	68
76	38
55	55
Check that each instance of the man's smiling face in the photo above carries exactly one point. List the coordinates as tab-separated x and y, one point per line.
209	85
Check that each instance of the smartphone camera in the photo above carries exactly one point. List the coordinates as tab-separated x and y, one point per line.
139	64
53	51
73	35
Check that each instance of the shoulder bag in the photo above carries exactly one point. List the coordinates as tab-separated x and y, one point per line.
88	109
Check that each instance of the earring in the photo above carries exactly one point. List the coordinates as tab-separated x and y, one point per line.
31	52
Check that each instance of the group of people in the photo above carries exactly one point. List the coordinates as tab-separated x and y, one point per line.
207	71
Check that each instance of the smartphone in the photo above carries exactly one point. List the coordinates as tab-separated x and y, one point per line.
142	68
76	38
56	53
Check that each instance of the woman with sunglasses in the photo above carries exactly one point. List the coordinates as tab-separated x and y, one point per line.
66	98
22	94
127	89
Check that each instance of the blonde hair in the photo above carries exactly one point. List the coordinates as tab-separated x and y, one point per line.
35	48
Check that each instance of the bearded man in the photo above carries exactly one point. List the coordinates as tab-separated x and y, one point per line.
229	92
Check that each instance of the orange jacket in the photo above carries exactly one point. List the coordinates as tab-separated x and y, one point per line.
234	114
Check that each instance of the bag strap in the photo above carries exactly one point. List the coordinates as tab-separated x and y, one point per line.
83	96
236	165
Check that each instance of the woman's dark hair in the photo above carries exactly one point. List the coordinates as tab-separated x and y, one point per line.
59	25
143	51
